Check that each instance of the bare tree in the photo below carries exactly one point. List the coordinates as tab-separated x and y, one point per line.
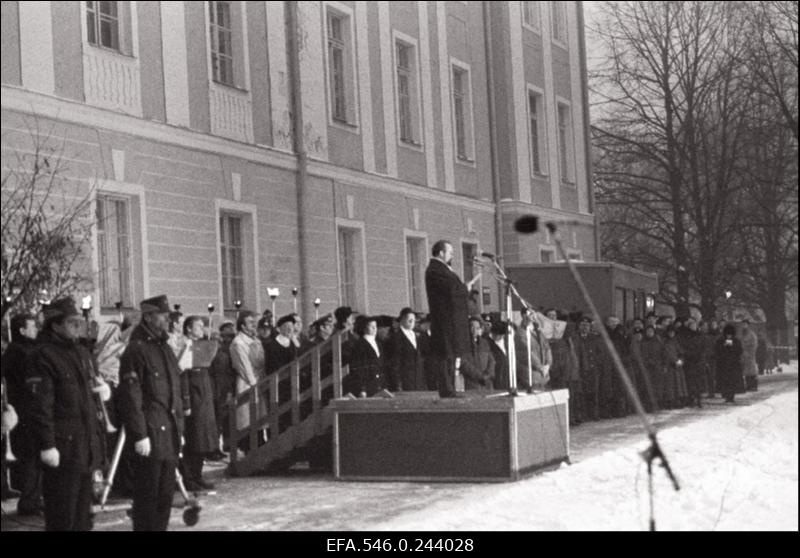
669	139
46	224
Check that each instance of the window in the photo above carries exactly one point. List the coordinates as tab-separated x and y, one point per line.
559	22
407	90
404	79
336	70
565	146
469	252
102	24
348	267
575	255
462	111
340	54
221	32
547	255
232	258
537	133
530	14
415	250
114	250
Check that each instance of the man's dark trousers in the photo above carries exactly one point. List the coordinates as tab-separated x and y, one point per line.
153	490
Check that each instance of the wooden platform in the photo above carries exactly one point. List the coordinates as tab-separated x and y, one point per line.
417	436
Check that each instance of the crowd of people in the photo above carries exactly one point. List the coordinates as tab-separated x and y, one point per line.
170	380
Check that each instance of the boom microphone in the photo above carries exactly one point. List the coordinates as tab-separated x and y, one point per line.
487	255
527	224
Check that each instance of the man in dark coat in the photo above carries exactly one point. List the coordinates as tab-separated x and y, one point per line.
367	360
447	300
26	473
152	413
478	366
406	370
279	351
589	350
728	360
497	345
65	417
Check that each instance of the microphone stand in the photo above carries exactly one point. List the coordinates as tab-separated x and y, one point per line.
654	450
510	291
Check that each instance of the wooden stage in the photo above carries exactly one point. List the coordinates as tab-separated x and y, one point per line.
418	436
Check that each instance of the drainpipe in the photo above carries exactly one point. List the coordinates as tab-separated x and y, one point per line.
587	128
298	144
498	217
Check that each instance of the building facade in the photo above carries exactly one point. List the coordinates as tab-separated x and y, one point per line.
416	121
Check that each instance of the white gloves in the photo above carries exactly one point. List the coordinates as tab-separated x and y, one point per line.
142	447
50	457
102	389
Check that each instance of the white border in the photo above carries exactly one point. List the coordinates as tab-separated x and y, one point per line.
222	205
359	225
417	235
471	155
346	11
129	190
543	141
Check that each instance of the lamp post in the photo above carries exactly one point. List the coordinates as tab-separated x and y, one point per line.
317	302
8	318
237	304
273	293
210	313
294	294
728	295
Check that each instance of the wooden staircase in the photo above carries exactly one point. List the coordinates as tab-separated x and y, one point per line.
296	399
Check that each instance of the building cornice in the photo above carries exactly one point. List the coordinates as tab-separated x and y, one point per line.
78	113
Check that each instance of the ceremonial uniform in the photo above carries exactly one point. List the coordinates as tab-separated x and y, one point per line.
64	415
151	407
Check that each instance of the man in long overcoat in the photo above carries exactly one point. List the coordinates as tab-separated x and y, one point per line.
447	301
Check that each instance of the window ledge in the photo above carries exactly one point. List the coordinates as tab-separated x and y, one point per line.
540	176
412	145
531	28
560	44
345	126
108	51
569	184
465	161
232	88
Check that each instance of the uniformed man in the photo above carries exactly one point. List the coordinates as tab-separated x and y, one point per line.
152	413
65	416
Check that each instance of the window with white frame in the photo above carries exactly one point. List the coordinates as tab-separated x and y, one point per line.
103	24
575	255
547	255
559	20
350	267
462	111
469	251
231	247
415	257
114	250
341	87
565	144
221	32
530	15
537	131
407	91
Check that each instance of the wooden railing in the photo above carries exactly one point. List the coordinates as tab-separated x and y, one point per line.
292	413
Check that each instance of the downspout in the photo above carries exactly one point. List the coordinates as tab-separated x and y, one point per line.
298	144
587	129
498	216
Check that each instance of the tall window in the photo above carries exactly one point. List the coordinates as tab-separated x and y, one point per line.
469	252
114	250
565	143
530	14
559	22
547	255
459	107
414	250
102	24
336	60
537	132
348	266
221	42
404	91
232	257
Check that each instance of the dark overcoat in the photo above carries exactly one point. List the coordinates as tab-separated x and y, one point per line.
728	360
13	368
150	393
367	368
447	302
406	369
64	412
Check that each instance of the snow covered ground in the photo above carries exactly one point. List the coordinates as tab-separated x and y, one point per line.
737	465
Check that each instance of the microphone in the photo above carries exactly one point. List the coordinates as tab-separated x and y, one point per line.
529	224
487	255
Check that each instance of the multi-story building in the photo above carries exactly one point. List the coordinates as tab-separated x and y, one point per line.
420	121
